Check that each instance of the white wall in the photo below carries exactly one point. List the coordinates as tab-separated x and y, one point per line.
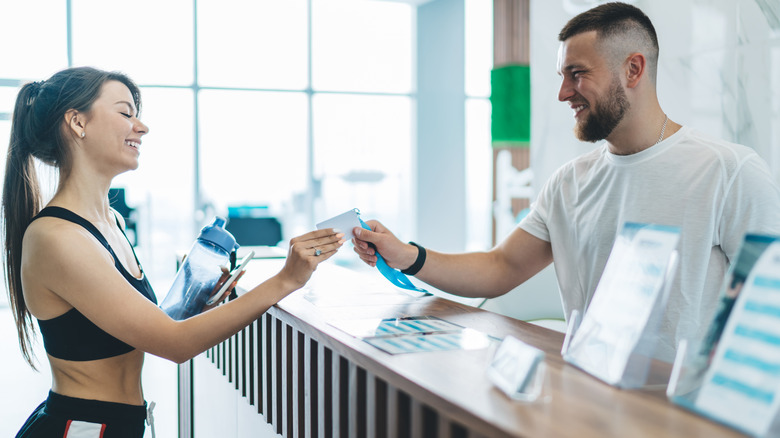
719	71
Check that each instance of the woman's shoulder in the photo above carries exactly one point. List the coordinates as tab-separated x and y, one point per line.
49	248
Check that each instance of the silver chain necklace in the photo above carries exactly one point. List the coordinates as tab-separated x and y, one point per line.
663	129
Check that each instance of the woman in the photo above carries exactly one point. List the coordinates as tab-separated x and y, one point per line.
71	267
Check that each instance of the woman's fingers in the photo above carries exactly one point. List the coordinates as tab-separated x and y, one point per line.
320	243
324	233
316	238
226	293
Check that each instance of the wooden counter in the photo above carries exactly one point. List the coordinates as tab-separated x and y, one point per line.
305	377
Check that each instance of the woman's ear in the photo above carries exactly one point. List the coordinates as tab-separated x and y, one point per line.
75	122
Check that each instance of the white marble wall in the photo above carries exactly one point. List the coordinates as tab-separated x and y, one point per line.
719	71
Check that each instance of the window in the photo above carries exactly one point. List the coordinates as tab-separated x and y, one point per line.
253	148
253	44
151	41
362	46
302	106
34	43
479	154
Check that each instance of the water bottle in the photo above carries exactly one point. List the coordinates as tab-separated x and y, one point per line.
200	271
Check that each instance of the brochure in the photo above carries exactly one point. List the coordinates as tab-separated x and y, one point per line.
414	334
733	376
621	323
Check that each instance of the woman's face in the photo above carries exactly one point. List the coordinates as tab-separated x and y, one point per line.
112	131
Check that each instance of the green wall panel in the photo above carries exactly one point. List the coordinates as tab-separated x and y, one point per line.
511	101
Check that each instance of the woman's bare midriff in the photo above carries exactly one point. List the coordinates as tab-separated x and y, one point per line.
114	379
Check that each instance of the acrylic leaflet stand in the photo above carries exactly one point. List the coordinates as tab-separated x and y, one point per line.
732	376
615	339
519	371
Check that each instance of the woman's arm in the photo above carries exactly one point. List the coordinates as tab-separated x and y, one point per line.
64	261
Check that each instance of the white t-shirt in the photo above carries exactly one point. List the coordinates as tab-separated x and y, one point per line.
715	191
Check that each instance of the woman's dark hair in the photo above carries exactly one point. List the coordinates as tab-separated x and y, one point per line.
38	131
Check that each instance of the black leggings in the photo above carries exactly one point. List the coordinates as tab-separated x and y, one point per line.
84	418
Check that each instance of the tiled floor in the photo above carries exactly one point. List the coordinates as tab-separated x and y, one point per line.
23	389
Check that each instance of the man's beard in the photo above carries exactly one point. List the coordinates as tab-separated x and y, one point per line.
604	117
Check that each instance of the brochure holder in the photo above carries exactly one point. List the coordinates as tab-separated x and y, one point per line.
519	371
615	340
732	375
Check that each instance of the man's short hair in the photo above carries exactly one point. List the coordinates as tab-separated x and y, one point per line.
621	29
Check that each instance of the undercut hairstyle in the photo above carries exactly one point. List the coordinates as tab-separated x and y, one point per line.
621	30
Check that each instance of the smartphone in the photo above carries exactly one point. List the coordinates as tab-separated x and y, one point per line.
233	275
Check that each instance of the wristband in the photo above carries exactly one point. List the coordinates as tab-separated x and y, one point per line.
418	264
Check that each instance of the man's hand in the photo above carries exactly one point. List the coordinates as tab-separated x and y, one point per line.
379	239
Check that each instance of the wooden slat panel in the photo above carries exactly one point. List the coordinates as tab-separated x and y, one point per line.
242	362
186	400
511	32
218	361
404	414
252	360
230	351
237	339
275	382
416	419
342	396
268	367
260	374
288	393
430	422
393	414
443	427
362	400
373	405
313	388
336	388
299	402
356	402
329	408
352	400
458	431
382	409
223	359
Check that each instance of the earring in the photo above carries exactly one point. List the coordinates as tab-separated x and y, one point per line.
83	134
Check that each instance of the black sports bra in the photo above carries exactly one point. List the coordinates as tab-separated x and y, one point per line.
71	336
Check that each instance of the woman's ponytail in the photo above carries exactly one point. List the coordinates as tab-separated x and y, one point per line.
21	202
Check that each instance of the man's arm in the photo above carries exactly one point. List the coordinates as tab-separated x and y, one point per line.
477	274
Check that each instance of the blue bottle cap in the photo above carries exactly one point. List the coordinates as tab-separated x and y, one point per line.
218	235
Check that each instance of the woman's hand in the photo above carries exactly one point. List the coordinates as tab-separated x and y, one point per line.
306	252
225	276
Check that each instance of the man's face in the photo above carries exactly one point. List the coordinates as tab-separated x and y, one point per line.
593	91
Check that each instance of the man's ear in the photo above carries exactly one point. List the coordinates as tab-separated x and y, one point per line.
635	67
76	122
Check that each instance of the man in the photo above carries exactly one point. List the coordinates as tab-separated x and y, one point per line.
650	169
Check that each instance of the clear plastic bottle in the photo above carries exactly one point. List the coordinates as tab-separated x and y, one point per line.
200	271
